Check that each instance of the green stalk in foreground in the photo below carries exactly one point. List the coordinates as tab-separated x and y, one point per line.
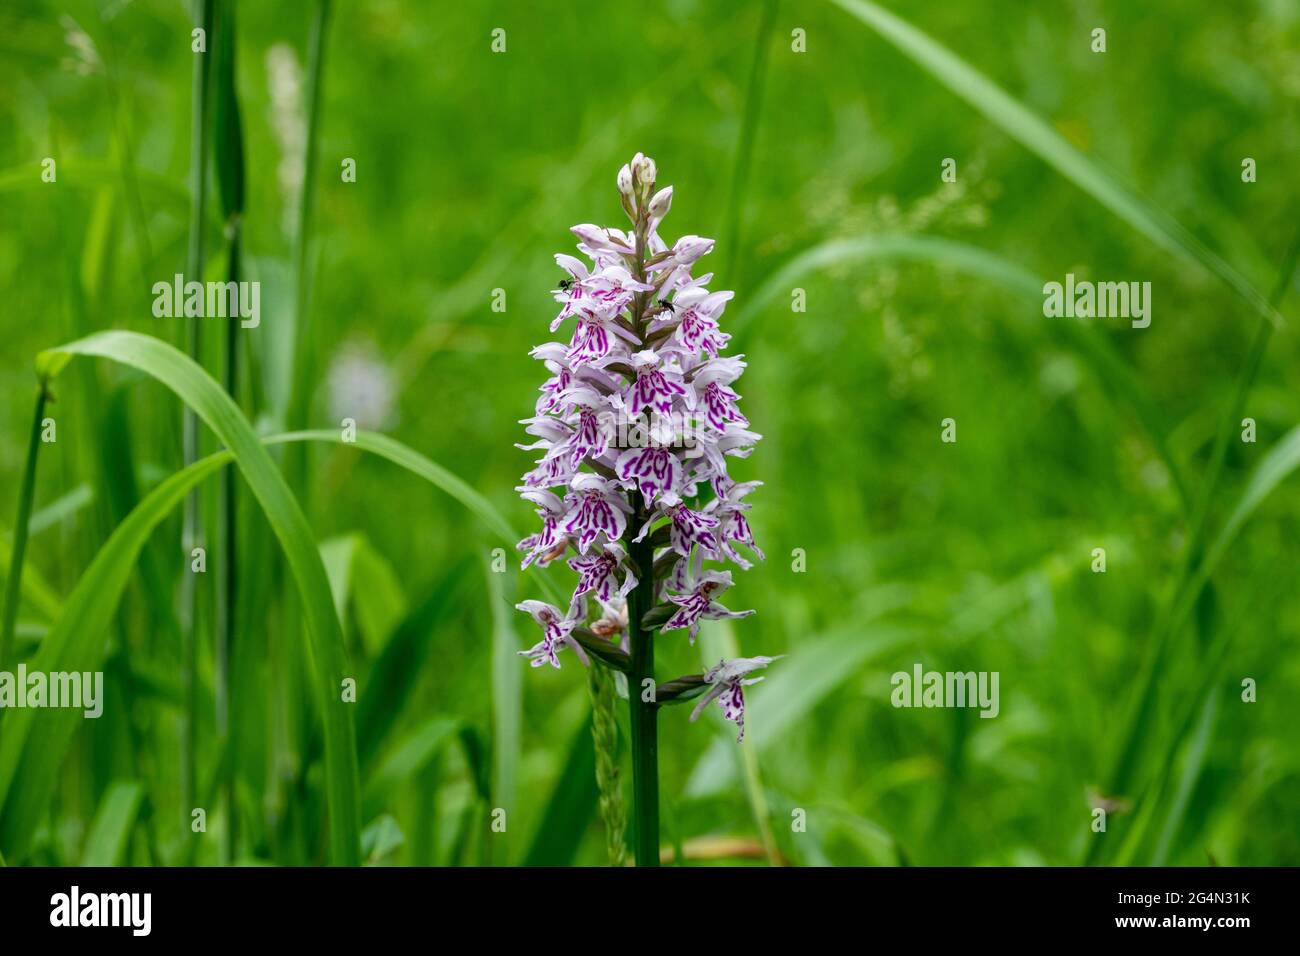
13	585
304	354
190	532
287	650
229	154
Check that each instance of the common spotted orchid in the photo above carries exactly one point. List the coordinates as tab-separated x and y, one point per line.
636	424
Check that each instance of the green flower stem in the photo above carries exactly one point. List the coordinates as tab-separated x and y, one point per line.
644	713
13	586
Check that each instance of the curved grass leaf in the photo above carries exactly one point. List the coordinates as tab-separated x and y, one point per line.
1273	468
362	578
418	464
1037	136
22	524
36	591
959	255
90	175
436	475
337	554
209	401
106	844
393	677
97	594
378	601
1193	764
61	509
1282	459
77	642
408	758
380	840
1109	367
572	805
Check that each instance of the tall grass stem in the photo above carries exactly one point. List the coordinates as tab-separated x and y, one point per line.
748	134
190	534
26	494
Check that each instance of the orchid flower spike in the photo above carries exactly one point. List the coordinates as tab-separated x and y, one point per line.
635	426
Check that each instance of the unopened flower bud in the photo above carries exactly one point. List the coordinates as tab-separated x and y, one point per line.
690	248
661	203
627	192
643	172
602	240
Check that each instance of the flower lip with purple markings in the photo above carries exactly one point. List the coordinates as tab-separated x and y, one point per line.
636	425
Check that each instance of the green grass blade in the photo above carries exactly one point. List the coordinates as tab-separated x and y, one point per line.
228	151
72	642
1092	344
227	128
407	759
440	477
61	509
571	806
1193	765
72	645
337	554
430	471
507	695
26	494
1037	136
36	591
106	844
961	256
362	579
381	839
200	98
748	134
32	750
202	394
303	346
1282	459
378	601
394	675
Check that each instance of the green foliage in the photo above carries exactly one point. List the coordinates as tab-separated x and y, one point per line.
817	171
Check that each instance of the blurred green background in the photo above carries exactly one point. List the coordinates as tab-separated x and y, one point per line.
471	165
